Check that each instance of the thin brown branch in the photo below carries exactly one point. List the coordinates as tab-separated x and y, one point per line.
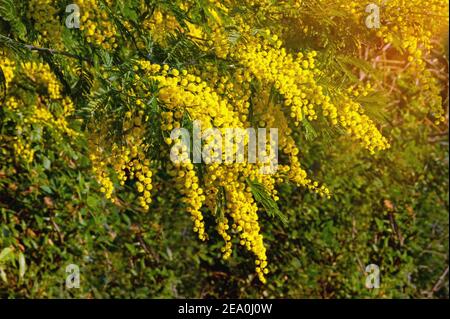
45	50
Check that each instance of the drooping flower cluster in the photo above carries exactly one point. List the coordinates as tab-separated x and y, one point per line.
96	23
44	14
8	67
128	162
405	30
295	80
43	106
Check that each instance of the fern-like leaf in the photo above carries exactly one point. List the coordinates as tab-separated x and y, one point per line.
9	13
262	197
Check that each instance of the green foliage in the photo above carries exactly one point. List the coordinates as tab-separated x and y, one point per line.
261	196
9	12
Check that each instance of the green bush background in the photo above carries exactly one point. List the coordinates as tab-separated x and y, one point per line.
320	253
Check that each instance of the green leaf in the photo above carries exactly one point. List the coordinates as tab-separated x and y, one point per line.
3	275
92	202
310	132
262	197
46	189
131	248
47	163
22	265
8	12
6	254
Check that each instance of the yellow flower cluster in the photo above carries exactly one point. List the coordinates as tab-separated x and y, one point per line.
128	162
160	25
224	101
97	25
13	104
295	80
23	150
8	67
185	93
33	105
101	172
42	76
402	25
42	115
44	13
405	30
222	227
243	209
272	115
401	21
139	170
187	181
218	38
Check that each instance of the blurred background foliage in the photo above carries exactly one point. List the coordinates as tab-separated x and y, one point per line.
391	210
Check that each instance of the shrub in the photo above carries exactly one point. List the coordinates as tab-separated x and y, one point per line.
87	132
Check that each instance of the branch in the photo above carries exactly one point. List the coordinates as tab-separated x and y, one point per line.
46	50
438	284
